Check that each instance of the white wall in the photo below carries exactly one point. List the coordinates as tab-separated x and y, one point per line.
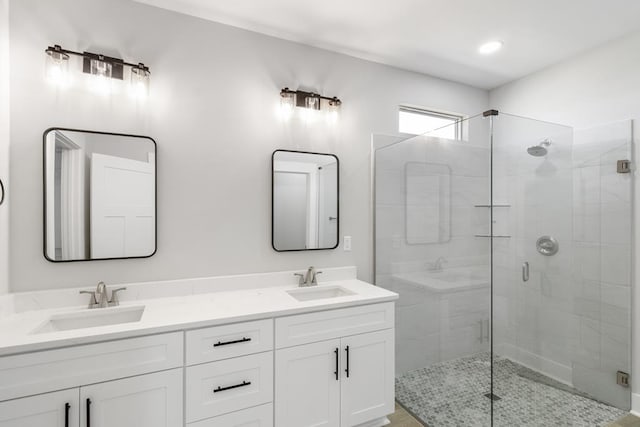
598	87
4	143
214	90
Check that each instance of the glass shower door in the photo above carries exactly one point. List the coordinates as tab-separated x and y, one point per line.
551	323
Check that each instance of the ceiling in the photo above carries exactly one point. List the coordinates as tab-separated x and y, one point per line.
436	37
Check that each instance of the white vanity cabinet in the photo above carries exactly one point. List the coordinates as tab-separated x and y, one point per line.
308	385
367	391
59	409
151	400
93	391
332	368
143	401
341	382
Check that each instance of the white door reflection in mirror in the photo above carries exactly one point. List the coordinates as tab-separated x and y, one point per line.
305	201
122	206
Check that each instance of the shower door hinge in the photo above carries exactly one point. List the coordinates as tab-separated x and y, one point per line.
624	166
622	378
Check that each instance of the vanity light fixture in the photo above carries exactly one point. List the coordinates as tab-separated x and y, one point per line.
140	80
310	100
287	102
334	104
57	66
334	108
103	68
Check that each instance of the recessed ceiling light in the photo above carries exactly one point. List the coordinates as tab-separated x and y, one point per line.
491	47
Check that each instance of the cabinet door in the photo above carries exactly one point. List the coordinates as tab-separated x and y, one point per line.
59	409
153	400
367	377
308	385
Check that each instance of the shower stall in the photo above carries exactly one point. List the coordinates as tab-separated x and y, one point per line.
510	249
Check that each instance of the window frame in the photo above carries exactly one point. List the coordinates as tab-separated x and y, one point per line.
456	118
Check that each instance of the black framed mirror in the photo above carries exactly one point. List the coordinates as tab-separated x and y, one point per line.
99	195
305	200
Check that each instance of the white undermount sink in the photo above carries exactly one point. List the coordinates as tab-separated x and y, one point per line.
91	318
321	292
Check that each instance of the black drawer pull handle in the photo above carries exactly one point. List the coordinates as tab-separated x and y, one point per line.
66	414
88	412
2	190
336	371
347	370
219	343
244	384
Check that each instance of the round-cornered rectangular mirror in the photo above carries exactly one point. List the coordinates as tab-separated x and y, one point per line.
99	195
305	201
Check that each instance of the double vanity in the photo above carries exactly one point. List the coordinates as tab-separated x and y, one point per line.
255	350
260	350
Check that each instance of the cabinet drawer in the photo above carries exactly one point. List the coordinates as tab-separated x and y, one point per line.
229	385
260	416
326	325
44	371
224	342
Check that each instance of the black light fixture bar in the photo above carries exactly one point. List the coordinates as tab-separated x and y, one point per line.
117	64
301	97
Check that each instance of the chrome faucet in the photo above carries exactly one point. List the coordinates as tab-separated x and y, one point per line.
100	299
310	279
437	264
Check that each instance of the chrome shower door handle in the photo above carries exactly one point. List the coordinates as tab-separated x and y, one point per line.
525	271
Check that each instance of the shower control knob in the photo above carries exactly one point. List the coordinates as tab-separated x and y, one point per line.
547	246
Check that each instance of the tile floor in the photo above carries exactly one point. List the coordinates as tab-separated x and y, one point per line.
451	394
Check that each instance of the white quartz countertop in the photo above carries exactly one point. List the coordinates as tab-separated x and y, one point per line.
449	280
176	313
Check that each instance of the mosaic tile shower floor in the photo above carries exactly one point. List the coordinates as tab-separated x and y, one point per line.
451	394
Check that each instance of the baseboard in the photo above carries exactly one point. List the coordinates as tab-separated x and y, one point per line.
548	367
635	404
376	423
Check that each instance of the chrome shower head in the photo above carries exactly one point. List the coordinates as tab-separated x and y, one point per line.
540	149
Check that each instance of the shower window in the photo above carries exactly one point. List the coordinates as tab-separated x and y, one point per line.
416	121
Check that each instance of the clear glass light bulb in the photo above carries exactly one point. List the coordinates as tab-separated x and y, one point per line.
101	72
139	85
333	110
287	103
312	102
57	68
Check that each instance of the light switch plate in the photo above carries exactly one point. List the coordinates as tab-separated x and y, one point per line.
347	243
